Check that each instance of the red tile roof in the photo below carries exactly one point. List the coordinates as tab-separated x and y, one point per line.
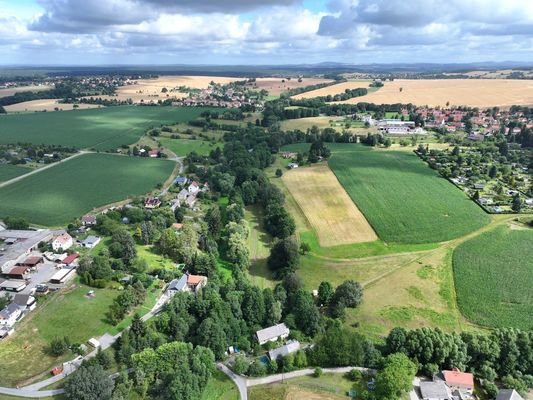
18	271
70	259
458	378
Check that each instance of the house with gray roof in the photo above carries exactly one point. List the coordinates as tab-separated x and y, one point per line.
435	390
508	394
284	350
272	333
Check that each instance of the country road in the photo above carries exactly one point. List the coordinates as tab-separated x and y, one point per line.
36	171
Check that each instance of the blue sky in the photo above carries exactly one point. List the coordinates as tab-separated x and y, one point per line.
86	32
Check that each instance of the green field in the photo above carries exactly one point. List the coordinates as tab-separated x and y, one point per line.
8	172
220	387
404	200
182	147
102	129
494	278
68	190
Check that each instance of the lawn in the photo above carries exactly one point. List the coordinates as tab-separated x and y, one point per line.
8	171
494	278
220	387
102	129
259	242
68	190
182	147
403	199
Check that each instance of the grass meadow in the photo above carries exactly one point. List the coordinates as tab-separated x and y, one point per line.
182	147
101	129
494	279
55	196
8	172
404	200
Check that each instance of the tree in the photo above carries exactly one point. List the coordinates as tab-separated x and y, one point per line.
305	248
187	243
476	195
213	220
89	383
284	256
348	294
325	293
168	244
240	365
124	246
16	223
516	204
396	378
279	172
59	346
493	171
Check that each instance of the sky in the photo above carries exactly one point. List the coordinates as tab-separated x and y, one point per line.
110	32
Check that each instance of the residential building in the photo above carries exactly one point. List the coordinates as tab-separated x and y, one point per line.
187	283
25	302
62	242
88	220
457	380
272	333
194	187
151	203
284	350
90	241
181	180
508	394
9	315
435	391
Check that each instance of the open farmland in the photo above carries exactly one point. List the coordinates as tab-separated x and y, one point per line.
46	105
102	129
494	278
57	195
328	208
404	200
34	88
182	147
276	86
8	172
333	89
456	92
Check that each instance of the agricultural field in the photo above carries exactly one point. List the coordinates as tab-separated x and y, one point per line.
102	129
46	105
334	89
338	123
67	190
494	279
182	147
276	86
403	199
34	88
331	212
455	92
8	171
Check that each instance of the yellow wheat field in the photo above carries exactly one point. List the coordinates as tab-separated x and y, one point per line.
327	206
276	86
33	88
333	89
45	104
455	92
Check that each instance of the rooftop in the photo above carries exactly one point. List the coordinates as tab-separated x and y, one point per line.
458	378
508	394
272	332
282	351
434	390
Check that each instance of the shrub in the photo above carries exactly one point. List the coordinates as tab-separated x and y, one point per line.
317	373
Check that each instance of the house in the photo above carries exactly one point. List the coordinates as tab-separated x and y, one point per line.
457	380
479	186
62	242
508	394
187	283
153	153
9	315
194	187
485	201
88	220
272	333
181	181
285	350
25	302
182	195
90	241
151	203
435	391
18	273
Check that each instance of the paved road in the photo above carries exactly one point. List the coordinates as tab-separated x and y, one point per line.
240	381
35	171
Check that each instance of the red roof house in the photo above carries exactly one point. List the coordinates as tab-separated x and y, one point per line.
456	379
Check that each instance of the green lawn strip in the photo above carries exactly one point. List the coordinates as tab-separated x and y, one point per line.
68	190
155	261
182	147
220	387
102	129
493	278
8	171
404	200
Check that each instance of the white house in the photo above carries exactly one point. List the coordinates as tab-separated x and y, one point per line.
194	187
9	315
272	333
187	283
62	242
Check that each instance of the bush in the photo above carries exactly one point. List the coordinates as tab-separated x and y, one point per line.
59	346
317	373
354	375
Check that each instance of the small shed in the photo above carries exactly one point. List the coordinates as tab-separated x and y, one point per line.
93	342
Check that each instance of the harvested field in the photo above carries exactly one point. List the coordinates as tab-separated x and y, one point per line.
327	206
45	105
333	90
149	90
276	86
456	92
12	91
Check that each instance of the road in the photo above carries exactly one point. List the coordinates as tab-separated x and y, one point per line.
106	341
36	171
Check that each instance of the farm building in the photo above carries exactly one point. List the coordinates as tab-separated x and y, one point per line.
90	241
18	244
285	350
62	242
71	259
272	333
62	275
435	391
18	273
31	262
187	283
508	394
13	285
9	315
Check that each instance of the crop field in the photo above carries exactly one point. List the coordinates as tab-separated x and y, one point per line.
494	278
331	212
456	92
276	86
33	88
102	129
68	190
8	171
46	105
182	147
334	89
403	199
